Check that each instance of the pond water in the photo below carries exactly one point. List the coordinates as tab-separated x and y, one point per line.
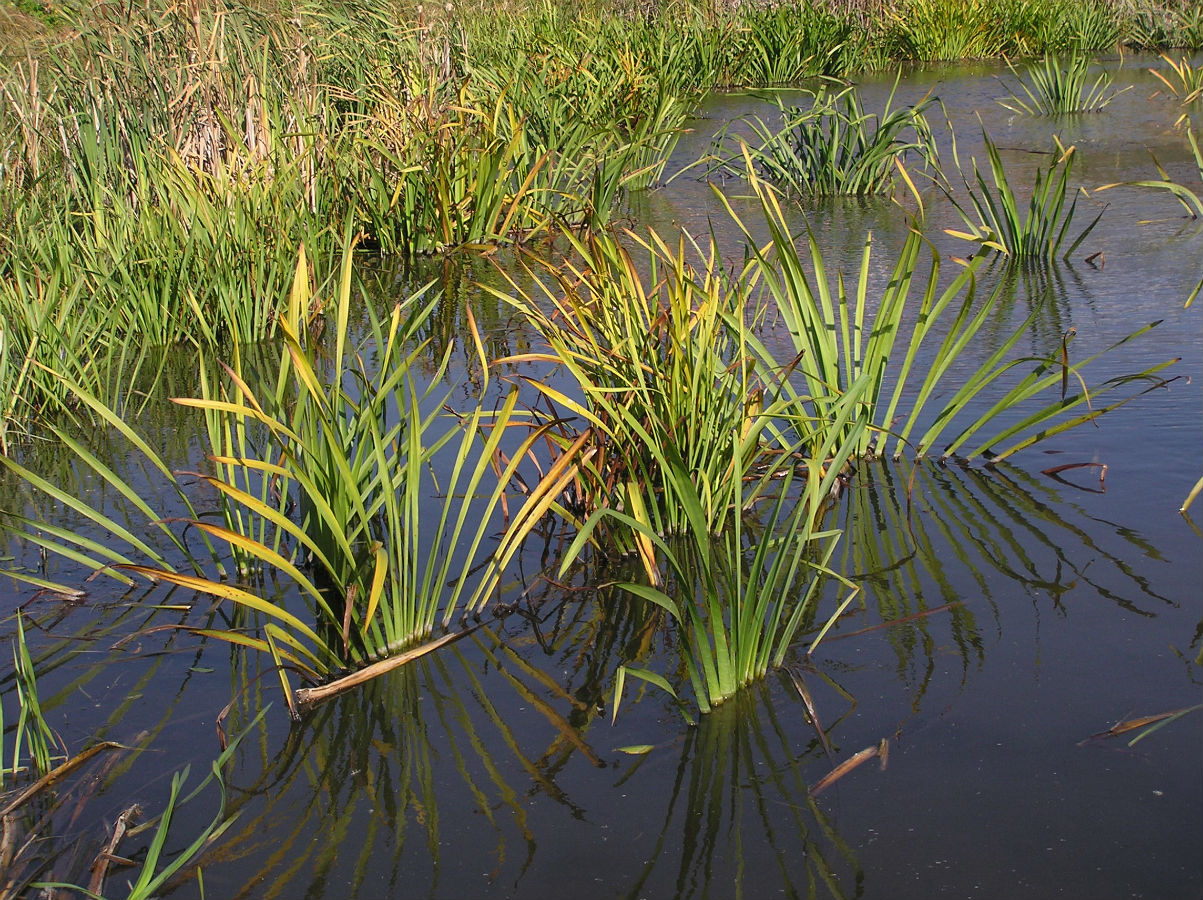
1008	617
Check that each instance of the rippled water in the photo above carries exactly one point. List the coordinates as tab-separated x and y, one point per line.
1025	613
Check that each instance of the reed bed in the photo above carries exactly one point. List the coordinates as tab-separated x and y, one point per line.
168	163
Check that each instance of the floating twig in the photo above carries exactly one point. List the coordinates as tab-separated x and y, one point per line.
307	696
882	750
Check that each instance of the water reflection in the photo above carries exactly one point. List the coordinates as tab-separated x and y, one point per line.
476	770
739	807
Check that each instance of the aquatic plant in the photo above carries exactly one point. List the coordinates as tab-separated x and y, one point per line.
1191	202
682	458
322	477
838	348
661	367
1187	83
1056	87
352	447
156	870
997	222
31	734
740	599
831	146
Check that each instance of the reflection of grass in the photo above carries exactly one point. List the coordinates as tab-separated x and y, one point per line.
1000	525
740	801
379	780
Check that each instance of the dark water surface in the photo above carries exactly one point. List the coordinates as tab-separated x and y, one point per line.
1054	606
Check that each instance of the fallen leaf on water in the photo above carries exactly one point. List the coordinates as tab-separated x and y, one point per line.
849	764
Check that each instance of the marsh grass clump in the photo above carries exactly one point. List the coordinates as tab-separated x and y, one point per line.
662	368
710	461
740	599
832	147
167	166
1057	87
1159	25
997	220
323	478
854	337
1185	81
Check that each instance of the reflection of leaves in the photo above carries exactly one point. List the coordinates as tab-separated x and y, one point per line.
915	532
739	796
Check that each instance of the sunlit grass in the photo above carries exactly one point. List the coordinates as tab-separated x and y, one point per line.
1186	81
997	220
848	334
325	477
662	366
832	146
1058	86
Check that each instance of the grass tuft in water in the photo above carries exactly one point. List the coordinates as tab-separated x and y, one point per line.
998	222
831	147
838	347
1058	86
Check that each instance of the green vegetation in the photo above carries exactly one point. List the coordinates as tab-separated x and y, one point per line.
352	511
1185	82
1059	87
156	870
158	172
351	446
999	223
831	147
1190	201
31	734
